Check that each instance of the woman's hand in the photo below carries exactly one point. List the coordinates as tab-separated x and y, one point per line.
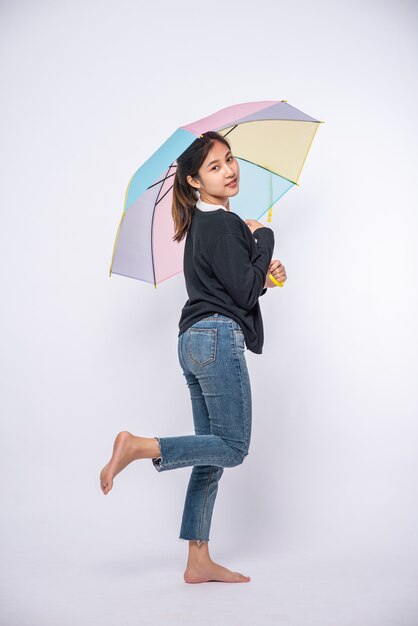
253	224
275	268
278	271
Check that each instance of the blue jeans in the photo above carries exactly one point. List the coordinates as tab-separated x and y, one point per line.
212	356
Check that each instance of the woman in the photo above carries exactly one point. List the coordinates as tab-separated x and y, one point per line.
226	262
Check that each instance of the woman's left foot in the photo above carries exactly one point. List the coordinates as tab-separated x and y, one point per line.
125	450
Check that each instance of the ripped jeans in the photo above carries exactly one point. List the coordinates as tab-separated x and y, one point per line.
212	356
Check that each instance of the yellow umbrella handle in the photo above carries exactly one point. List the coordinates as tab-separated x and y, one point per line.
275	281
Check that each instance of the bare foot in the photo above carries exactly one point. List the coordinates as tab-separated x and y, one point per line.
210	571
127	448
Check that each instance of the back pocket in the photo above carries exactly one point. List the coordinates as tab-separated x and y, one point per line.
202	345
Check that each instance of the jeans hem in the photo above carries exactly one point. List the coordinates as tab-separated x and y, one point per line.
158	461
199	541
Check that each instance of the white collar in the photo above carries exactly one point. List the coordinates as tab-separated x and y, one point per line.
205	206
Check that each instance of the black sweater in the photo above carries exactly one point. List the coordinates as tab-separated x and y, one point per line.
225	270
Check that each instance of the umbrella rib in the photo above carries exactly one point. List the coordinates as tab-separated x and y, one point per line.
230	131
161	181
162	197
153	213
268	170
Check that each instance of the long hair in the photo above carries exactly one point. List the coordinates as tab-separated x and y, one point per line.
184	195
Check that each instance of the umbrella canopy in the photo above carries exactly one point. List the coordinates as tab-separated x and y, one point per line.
270	140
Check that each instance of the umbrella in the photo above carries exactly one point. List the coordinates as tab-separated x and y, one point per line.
270	140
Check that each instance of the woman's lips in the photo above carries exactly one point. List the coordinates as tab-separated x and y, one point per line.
232	183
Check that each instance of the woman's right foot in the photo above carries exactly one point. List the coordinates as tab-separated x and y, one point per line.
210	571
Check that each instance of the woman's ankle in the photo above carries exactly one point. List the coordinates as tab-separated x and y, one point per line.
198	551
146	447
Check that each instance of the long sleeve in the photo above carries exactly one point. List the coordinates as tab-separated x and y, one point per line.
241	277
255	237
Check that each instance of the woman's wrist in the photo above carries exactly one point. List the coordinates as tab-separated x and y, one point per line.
269	283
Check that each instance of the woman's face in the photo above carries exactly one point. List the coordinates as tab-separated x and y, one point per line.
219	168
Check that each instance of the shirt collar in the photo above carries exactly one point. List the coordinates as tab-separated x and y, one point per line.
205	206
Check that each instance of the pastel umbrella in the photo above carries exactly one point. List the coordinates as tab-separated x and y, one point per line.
270	139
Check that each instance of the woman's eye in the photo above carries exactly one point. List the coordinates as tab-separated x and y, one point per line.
231	157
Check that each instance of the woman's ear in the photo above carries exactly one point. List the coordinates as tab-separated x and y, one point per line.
192	182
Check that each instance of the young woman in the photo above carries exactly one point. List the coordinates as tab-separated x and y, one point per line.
226	262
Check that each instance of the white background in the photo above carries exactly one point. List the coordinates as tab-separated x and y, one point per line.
323	512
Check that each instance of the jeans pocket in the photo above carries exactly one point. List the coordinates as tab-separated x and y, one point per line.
202	345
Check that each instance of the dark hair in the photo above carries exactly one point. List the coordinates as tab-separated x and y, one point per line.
184	195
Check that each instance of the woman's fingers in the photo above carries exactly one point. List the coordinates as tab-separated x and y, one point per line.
278	270
275	264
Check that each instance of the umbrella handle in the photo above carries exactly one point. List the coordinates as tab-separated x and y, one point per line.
275	281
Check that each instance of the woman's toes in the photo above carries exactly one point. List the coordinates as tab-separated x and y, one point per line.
107	486
106	481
